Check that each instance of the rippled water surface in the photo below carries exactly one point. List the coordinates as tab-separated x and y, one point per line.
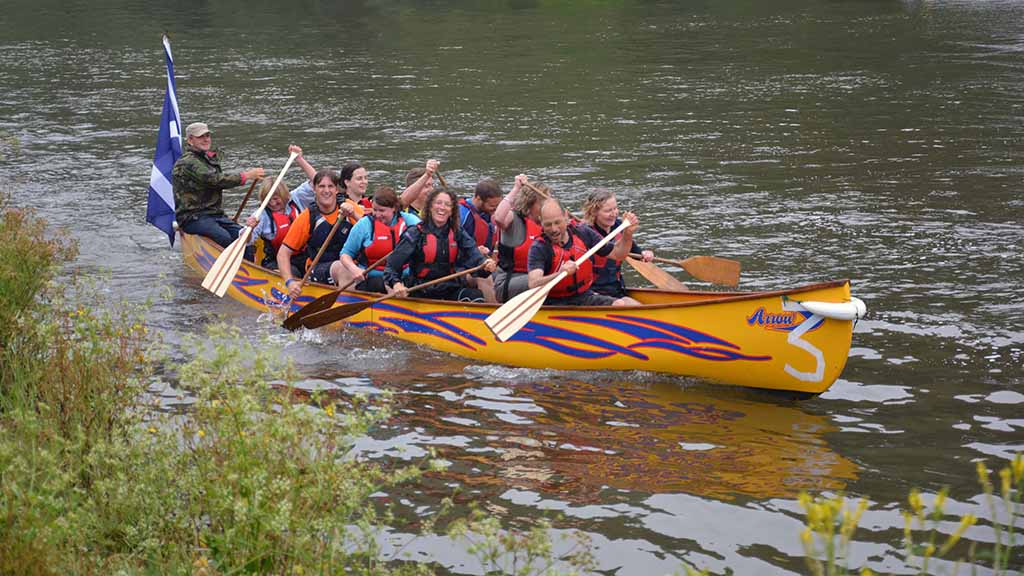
872	140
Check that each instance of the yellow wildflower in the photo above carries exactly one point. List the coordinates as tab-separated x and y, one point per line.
1018	468
201	434
916	506
965	523
982	473
940	500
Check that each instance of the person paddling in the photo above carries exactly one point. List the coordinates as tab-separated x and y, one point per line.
199	181
273	224
310	231
517	216
435	248
375	236
558	249
601	212
476	215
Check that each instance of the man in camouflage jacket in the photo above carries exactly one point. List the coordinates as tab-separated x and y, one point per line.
199	182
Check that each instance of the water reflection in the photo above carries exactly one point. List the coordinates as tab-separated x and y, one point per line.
586	440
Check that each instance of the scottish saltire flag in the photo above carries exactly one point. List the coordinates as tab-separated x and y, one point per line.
160	208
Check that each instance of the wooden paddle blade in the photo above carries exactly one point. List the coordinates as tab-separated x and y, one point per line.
517	312
713	269
319	305
655	275
327	300
337	313
223	271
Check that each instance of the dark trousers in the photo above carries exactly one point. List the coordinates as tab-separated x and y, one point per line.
220	229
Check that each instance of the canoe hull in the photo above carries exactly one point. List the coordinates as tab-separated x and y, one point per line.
758	340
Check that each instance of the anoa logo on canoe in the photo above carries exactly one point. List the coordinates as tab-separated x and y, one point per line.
774	320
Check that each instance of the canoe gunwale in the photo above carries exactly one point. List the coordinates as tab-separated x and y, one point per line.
709	297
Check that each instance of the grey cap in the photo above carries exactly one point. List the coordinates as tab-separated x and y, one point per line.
196	129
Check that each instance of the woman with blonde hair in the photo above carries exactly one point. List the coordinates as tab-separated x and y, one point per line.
273	224
601	212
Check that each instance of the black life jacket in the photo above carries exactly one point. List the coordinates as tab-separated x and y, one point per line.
319	229
607	271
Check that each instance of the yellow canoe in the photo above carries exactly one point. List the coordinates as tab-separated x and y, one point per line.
795	340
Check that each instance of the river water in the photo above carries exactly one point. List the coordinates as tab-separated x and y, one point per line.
873	140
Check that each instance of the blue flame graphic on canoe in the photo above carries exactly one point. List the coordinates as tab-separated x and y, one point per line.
395	319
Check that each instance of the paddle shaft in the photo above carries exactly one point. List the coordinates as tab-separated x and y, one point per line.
320	252
246	199
280	176
346	310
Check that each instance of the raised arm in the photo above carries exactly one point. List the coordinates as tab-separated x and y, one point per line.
307	168
413	190
503	214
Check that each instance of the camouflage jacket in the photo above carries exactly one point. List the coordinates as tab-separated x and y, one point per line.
197	182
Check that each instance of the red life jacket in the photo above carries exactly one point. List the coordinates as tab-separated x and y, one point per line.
483	231
282	221
385	238
515	259
435	263
572	284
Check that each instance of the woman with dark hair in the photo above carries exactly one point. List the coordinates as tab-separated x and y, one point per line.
374	237
354	181
311	230
436	247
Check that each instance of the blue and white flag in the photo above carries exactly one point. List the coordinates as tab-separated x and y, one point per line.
160	208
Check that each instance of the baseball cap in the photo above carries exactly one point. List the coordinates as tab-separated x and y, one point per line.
196	129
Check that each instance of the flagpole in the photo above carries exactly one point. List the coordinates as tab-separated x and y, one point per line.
160	204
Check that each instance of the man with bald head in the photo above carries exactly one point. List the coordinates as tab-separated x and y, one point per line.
558	249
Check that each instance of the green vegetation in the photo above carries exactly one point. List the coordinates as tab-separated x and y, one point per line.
252	478
830	526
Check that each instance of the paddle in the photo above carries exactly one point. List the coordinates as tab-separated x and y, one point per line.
246	199
707	268
514	314
326	301
226	266
660	278
345	310
320	252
